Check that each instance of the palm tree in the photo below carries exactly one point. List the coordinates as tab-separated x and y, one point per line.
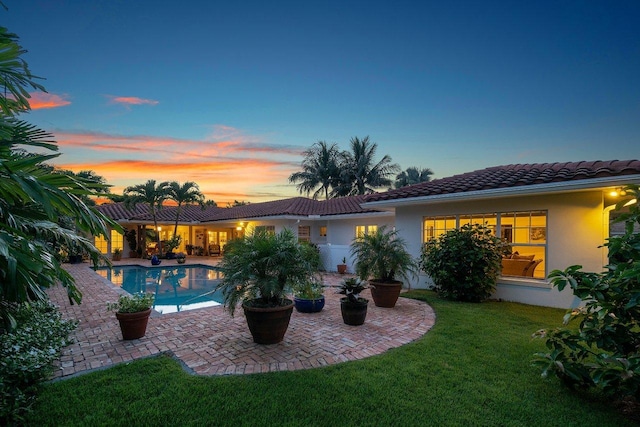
360	174
34	198
319	169
185	194
413	175
151	195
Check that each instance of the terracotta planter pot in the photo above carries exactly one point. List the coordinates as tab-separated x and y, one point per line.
268	325
133	325
308	305
353	314
342	268
385	294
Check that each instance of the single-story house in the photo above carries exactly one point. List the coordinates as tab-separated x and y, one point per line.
552	215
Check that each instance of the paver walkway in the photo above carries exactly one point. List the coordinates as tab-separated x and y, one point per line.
209	341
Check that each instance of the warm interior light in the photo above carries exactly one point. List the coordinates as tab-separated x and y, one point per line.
614	193
159	228
238	228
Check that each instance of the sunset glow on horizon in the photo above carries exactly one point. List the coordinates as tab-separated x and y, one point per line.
229	95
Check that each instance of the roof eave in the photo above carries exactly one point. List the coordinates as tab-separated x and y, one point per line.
526	190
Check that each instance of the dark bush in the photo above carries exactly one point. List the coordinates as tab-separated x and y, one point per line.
464	264
27	354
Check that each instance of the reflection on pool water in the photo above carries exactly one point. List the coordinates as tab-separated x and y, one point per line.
176	288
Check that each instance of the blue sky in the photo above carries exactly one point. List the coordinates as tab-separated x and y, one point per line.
228	94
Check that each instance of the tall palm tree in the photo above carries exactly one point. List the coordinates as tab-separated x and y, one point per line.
360	174
413	175
150	194
34	198
185	194
320	170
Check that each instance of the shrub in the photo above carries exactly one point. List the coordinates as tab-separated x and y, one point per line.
604	351
27	354
464	264
135	303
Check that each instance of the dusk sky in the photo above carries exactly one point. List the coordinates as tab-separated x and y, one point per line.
228	94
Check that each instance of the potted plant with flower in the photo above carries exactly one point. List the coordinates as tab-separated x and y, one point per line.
352	306
257	271
181	257
380	258
132	312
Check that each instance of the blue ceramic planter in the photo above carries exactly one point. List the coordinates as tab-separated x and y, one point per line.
308	305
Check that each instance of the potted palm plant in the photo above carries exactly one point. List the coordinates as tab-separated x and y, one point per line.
132	312
117	254
308	295
352	306
257	270
380	258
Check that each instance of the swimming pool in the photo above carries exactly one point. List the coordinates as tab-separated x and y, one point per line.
176	289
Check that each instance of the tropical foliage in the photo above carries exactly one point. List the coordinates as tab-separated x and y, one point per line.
27	354
352	287
135	303
464	264
334	173
150	194
259	268
185	194
320	170
413	175
383	256
34	198
603	352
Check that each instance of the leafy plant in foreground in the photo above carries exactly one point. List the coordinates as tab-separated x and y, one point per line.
604	352
27	354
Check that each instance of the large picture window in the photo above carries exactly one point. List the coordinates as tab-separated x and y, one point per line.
362	230
524	233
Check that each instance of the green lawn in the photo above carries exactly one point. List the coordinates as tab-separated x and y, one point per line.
472	369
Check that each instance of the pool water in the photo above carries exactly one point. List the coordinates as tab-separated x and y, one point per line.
176	289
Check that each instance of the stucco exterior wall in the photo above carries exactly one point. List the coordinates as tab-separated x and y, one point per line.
576	227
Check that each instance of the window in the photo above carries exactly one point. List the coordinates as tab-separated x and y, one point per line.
101	244
116	240
362	230
304	233
525	233
323	231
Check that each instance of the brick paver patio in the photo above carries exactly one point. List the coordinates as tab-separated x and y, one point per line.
208	341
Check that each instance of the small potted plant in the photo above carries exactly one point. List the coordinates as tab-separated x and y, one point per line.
189	249
380	258
342	268
133	311
308	296
352	306
117	254
181	257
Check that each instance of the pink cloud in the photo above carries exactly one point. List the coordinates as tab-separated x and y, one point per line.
42	100
132	100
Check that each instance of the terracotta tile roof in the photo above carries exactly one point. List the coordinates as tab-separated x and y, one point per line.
513	176
296	206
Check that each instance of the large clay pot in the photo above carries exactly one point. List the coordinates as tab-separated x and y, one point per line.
133	325
268	324
342	268
385	294
309	305
353	313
